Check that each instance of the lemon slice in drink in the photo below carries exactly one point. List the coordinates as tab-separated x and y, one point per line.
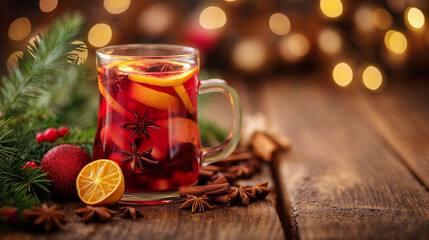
100	183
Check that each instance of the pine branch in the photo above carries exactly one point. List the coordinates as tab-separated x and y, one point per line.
39	67
5	150
211	133
25	181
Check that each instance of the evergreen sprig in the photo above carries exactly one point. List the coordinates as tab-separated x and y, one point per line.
40	66
25	181
5	139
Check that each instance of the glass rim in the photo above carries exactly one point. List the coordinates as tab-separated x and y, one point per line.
190	52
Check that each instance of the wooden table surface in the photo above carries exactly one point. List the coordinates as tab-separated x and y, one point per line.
358	169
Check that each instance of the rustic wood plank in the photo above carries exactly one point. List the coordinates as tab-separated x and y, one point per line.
341	180
401	116
258	221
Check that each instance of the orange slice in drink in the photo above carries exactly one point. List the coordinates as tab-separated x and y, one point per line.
112	102
183	95
134	69
100	183
153	98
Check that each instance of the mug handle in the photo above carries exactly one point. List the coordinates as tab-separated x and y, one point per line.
214	154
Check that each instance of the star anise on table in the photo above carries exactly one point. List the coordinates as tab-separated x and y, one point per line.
138	159
91	214
164	67
242	195
197	203
130	212
262	190
141	125
112	81
47	217
242	170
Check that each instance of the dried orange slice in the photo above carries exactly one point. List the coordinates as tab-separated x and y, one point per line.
173	78
153	98
112	102
100	183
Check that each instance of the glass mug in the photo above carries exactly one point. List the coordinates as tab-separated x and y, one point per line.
147	119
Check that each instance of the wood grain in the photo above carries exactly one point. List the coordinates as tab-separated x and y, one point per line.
401	117
258	221
341	179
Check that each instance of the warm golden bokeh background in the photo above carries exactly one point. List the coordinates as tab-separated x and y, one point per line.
361	44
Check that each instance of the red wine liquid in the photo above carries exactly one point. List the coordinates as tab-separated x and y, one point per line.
147	123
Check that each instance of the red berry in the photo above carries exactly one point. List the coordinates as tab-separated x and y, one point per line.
51	134
30	164
62	131
40	137
10	213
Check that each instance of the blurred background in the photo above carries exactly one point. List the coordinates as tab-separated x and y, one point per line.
345	43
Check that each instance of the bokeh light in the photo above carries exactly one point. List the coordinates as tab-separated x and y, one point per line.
19	29
329	41
364	19
342	74
100	35
48	5
250	55
279	24
372	78
12	60
414	18
116	6
395	41
299	45
331	8
382	19
212	18
79	55
164	18
293	47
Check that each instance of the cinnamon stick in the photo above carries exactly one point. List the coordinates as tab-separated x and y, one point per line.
206	174
218	178
224	200
210	190
263	146
237	157
212	168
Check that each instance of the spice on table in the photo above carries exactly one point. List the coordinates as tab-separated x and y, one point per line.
212	168
205	174
210	190
47	217
91	214
237	157
263	146
223	200
218	178
197	203
130	212
262	190
242	170
242	195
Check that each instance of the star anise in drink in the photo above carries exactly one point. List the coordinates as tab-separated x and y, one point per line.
242	195
138	159
90	214
197	204
141	126
112	81
47	217
164	67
